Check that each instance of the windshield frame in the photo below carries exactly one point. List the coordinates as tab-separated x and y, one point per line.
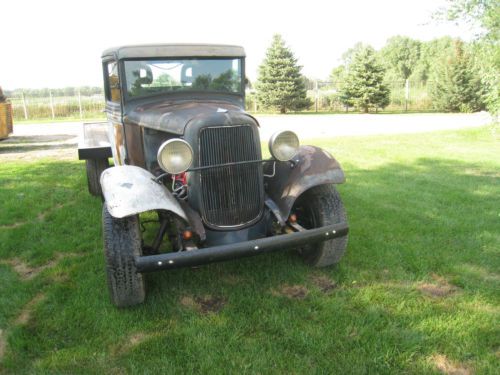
128	98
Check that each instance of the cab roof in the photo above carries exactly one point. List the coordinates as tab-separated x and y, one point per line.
173	50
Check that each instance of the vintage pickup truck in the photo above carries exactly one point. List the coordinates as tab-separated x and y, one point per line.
184	148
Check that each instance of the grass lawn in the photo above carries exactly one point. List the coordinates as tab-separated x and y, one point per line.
417	292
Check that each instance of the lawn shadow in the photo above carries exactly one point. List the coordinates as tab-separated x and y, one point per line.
433	216
409	223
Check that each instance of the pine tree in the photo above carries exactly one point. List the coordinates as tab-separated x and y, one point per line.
364	86
280	84
456	85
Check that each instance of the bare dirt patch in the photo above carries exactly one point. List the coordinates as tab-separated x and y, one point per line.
41	216
132	341
3	343
449	367
27	272
13	226
441	288
205	305
25	315
292	291
324	283
232	279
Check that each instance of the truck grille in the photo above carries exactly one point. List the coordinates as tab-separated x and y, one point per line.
231	195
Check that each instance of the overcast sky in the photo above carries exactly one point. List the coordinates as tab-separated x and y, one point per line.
59	43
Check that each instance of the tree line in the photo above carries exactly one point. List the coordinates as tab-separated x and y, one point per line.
460	77
447	66
45	92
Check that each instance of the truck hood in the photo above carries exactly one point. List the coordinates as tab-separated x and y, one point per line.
173	117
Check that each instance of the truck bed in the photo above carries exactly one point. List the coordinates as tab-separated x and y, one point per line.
94	143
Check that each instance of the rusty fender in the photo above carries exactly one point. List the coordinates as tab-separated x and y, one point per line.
312	166
130	190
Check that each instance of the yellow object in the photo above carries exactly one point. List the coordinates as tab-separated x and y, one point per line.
5	120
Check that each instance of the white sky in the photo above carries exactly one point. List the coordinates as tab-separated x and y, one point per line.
58	43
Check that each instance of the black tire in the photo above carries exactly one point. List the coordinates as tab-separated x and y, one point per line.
95	167
317	207
122	242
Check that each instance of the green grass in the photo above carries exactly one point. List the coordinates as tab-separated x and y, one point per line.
423	209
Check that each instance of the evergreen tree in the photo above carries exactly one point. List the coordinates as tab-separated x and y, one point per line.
456	84
484	17
364	86
280	84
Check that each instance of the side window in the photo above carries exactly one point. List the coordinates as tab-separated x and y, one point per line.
113	90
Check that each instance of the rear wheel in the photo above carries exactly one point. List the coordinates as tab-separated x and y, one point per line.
122	242
95	167
317	207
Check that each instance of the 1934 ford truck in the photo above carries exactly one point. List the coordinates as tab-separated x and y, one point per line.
185	150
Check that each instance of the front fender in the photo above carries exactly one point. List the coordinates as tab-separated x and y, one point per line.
130	190
312	166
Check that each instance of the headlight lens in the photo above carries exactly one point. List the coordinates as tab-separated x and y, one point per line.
284	145
175	156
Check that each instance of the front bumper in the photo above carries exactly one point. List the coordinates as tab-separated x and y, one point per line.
238	250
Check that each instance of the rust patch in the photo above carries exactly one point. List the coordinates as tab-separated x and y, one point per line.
292	291
324	283
205	305
25	315
448	367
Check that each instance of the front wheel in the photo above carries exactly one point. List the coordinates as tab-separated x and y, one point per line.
317	207
122	242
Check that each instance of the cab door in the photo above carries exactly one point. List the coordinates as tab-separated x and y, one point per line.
113	94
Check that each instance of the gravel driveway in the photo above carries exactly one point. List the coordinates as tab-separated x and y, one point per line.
59	140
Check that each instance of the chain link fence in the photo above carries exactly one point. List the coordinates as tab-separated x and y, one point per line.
404	96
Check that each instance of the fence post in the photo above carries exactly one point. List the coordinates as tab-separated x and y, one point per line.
51	105
80	103
24	106
316	96
407	93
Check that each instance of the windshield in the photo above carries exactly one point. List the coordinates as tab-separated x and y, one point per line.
146	77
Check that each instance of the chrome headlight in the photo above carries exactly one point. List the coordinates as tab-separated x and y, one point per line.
175	156
284	145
